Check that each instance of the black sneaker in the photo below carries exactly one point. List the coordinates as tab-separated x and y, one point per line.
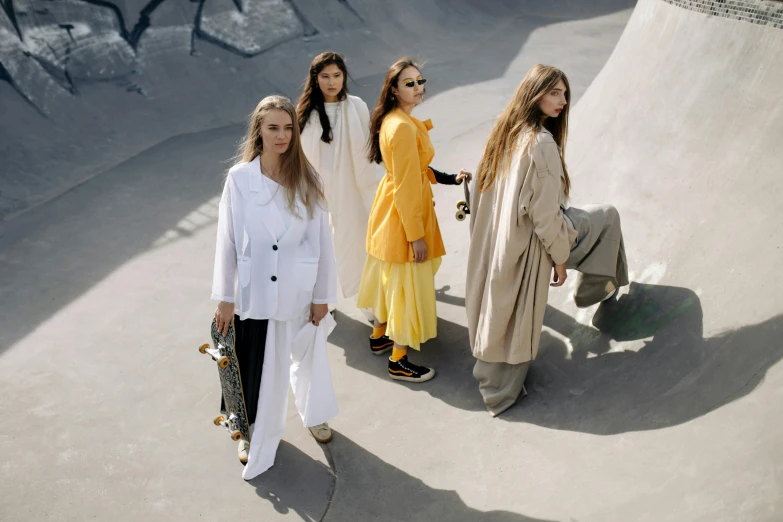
380	345
404	370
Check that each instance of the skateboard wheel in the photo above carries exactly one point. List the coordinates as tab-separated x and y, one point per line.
460	215
223	362
218	420
203	348
461	204
236	435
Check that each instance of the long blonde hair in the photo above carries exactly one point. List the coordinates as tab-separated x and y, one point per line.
521	115
297	175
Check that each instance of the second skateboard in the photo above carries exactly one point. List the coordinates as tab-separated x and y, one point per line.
233	415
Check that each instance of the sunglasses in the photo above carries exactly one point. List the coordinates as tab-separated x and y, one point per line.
411	83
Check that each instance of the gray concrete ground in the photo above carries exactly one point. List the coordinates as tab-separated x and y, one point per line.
664	407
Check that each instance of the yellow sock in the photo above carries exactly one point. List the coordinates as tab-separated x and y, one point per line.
398	353
378	332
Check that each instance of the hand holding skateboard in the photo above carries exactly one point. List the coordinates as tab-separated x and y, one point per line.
224	317
464	175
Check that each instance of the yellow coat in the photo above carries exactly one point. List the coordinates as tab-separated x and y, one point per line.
403	208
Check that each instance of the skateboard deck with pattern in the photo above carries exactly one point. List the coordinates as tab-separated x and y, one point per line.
234	417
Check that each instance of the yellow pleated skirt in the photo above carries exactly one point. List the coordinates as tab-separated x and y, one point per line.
402	295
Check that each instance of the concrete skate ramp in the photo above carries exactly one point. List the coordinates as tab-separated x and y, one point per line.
681	131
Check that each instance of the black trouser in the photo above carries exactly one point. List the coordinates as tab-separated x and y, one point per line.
250	345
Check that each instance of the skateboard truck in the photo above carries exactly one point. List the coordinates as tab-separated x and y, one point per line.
463	206
229	425
216	354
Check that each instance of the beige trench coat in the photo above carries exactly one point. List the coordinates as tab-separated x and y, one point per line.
517	233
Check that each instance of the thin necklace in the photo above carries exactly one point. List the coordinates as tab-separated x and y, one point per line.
269	172
264	171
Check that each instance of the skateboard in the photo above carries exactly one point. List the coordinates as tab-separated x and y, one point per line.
234	417
463	206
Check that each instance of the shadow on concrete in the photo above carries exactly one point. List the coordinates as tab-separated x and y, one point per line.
68	246
366	488
675	376
442	296
297	483
578	384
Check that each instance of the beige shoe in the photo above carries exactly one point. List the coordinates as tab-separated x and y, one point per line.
612	291
244	448
322	433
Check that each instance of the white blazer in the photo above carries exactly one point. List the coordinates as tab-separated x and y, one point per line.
263	277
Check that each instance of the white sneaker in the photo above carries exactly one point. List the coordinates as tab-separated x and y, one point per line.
322	433
244	448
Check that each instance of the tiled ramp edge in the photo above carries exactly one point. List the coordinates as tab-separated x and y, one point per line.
760	12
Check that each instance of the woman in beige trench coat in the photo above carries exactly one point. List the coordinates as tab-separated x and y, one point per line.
524	235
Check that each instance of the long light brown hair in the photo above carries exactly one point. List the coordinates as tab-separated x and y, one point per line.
297	175
521	115
313	99
386	103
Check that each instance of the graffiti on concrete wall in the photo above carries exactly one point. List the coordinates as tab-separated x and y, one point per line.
49	47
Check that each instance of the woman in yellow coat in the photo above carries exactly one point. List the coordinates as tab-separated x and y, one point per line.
404	244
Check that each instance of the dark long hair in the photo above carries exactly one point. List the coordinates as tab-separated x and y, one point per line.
313	99
386	103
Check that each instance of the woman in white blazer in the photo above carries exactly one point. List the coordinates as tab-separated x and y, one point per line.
335	127
275	275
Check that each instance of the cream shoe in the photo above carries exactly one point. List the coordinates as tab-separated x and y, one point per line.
612	291
322	433
244	447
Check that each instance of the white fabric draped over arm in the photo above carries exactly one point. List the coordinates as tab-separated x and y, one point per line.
224	275
325	291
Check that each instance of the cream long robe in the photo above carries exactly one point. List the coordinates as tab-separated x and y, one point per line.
349	183
517	231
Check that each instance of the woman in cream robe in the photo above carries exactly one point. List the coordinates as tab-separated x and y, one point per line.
521	227
349	179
